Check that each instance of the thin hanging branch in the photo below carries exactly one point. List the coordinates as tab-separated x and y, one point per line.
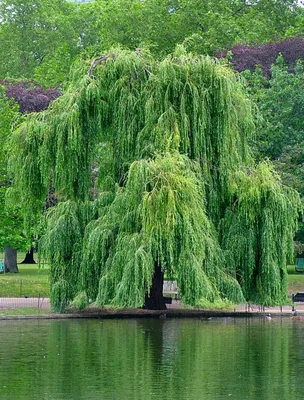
100	59
97	61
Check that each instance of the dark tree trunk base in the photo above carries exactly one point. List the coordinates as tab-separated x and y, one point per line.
10	260
155	300
29	257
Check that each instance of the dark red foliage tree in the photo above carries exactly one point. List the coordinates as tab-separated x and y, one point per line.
30	96
246	57
31	99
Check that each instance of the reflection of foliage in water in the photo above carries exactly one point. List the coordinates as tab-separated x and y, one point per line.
143	359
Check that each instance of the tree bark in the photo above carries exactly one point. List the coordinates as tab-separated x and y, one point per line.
155	300
29	257
10	260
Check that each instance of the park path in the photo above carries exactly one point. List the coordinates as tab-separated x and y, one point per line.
44	303
20	302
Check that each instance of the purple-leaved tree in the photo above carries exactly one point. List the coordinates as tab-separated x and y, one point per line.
247	57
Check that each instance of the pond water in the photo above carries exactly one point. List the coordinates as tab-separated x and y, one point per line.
152	359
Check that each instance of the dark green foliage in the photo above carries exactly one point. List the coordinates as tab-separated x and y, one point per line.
38	39
11	225
203	26
170	142
41	39
280	101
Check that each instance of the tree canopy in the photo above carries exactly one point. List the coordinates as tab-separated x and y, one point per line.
40	39
151	162
16	98
244	57
279	136
11	220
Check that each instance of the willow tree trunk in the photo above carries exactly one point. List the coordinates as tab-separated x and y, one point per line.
10	260
155	300
29	257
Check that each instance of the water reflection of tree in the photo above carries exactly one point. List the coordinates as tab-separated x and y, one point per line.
143	359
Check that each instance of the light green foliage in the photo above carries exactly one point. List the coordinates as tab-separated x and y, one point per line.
80	302
170	140
164	221
258	233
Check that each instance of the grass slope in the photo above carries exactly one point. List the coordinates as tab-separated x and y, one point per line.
24	311
31	281
295	280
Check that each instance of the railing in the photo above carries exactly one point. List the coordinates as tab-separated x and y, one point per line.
11	303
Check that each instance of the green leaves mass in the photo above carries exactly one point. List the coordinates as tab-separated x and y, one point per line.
177	185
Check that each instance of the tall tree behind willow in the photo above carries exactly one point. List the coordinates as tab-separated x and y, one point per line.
206	26
168	140
11	224
280	101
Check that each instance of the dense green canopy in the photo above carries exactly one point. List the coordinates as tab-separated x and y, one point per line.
152	166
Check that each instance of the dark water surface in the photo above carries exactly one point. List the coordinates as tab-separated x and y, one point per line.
152	359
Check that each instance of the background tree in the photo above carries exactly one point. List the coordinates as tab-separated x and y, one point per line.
35	35
205	27
41	39
276	86
219	25
244	57
177	187
280	102
11	225
16	97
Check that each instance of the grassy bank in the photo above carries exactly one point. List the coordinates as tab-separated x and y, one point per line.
24	311
31	281
34	282
295	280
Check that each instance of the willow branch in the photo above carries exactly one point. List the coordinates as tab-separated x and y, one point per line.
97	61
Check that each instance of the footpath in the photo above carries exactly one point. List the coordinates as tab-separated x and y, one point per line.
174	310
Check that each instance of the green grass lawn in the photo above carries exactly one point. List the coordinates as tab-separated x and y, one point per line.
31	281
295	280
24	311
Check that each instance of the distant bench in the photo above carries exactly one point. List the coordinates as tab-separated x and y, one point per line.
298	297
299	267
170	289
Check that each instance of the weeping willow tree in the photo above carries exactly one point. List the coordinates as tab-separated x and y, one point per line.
151	163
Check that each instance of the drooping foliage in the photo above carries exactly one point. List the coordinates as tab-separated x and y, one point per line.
257	233
168	140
